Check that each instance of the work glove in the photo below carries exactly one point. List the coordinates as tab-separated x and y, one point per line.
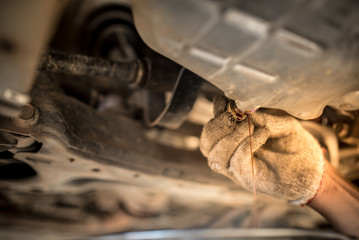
288	161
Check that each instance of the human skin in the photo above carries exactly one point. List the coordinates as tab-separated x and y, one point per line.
338	201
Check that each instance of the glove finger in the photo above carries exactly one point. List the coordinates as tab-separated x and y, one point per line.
245	177
258	119
278	122
219	105
241	158
215	130
265	117
223	150
264	176
292	143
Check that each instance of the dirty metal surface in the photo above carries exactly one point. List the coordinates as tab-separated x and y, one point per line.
91	166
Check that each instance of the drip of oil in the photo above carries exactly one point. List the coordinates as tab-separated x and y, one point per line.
254	222
240	116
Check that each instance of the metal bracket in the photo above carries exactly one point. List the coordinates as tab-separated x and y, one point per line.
176	110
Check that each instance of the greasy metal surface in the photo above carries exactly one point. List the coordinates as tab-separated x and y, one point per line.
298	56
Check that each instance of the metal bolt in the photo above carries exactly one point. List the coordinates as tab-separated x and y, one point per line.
28	116
236	113
28	111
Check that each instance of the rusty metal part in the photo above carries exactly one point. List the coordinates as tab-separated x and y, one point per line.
156	73
81	65
236	113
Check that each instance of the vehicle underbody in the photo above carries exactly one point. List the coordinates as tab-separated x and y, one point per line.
102	135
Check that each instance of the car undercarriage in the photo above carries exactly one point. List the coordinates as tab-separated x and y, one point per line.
103	102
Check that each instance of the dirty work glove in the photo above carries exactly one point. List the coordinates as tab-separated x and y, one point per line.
288	161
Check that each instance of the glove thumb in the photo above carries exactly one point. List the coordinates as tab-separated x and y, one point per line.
219	105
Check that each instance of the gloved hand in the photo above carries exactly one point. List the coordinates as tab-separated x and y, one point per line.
288	161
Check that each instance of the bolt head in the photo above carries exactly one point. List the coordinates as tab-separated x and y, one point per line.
28	116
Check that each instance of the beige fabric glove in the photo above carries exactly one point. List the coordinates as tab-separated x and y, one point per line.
288	161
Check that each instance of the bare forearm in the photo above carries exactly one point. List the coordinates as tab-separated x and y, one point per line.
338	201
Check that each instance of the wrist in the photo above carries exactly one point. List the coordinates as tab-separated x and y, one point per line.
323	189
338	201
